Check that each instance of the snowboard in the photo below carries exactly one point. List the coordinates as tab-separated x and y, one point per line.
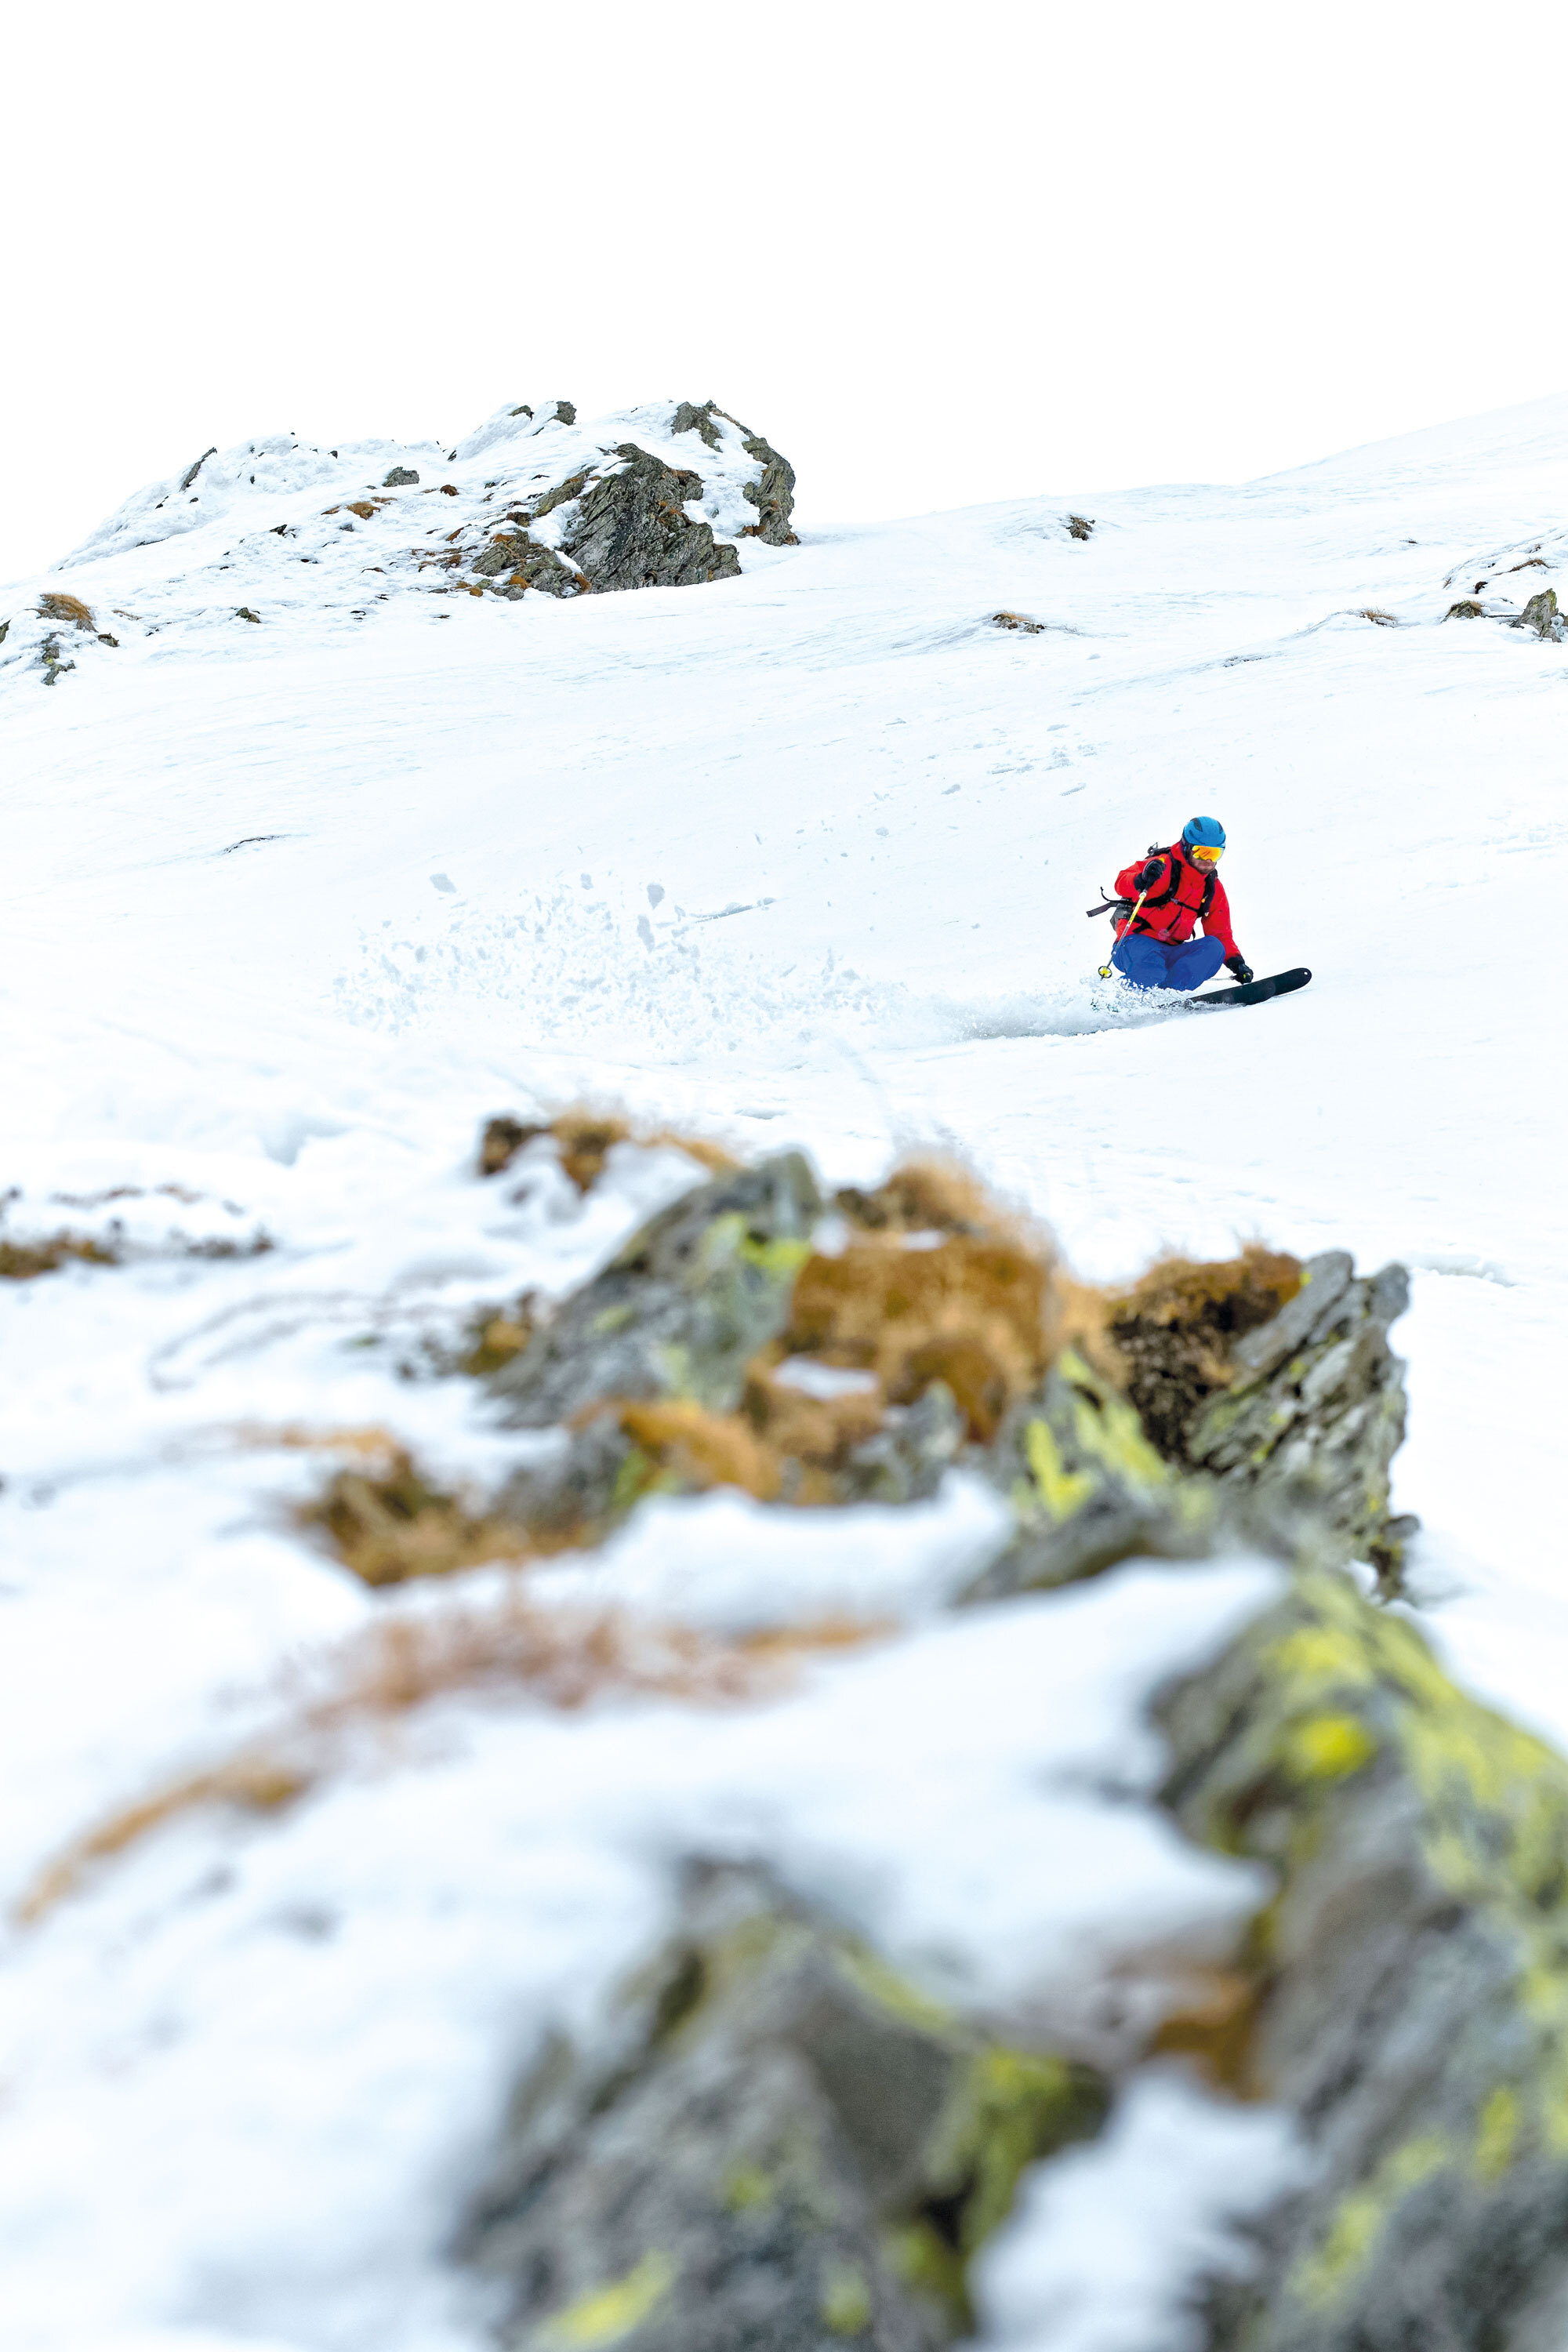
1256	992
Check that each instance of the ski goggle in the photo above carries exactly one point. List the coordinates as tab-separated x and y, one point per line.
1205	853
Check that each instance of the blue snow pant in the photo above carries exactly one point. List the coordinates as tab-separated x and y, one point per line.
1157	963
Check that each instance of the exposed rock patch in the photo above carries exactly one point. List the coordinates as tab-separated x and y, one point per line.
1305	1432
55	604
723	1345
23	1261
683	1308
632	530
1542	616
525	564
773	491
1177	1329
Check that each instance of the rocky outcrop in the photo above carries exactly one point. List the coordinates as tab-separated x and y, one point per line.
1409	1997
517	562
773	491
672	1370
682	1309
1255	1401
1258	1396
535	500
1542	616
1313	1413
632	530
1087	1488
781	2145
773	495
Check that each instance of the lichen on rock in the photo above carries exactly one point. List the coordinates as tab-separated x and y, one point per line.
1540	614
1314	1412
772	491
683	1308
632	530
1087	1488
1412	1980
780	2143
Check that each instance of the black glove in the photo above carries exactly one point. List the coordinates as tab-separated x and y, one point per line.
1149	875
1240	967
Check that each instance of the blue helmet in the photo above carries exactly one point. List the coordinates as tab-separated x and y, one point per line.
1203	833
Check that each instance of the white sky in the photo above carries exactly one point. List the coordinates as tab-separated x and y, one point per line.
937	255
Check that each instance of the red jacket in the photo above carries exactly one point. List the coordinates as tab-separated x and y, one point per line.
1180	897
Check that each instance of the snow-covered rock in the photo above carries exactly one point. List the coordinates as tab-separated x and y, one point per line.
276	530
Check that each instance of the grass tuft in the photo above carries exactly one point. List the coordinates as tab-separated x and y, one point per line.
387	1523
55	604
585	1138
507	1649
21	1261
1175	1328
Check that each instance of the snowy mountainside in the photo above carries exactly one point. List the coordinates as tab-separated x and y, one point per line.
244	536
797	855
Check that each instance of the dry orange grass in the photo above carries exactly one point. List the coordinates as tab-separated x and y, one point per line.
693	1447
21	1261
939	1196
817	1433
55	604
973	1302
387	1523
973	1313
559	1659
498	1338
1214	2024
1173	1331
585	1138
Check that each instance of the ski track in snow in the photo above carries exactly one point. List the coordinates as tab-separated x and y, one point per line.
800	857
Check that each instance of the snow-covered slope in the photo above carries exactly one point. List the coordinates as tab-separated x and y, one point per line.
800	855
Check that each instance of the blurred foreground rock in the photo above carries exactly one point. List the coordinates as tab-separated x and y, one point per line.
781	2145
746	1337
778	2143
1243	1419
1410	1982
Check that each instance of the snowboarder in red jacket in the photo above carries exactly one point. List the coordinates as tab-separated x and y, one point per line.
1180	888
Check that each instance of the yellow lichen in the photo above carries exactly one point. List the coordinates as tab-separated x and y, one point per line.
607	2314
846	2304
1328	1748
1063	1492
1497	2134
1321	2276
1015	2106
889	1991
746	2188
1107	1427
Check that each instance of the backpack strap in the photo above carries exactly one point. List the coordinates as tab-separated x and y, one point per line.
1163	898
